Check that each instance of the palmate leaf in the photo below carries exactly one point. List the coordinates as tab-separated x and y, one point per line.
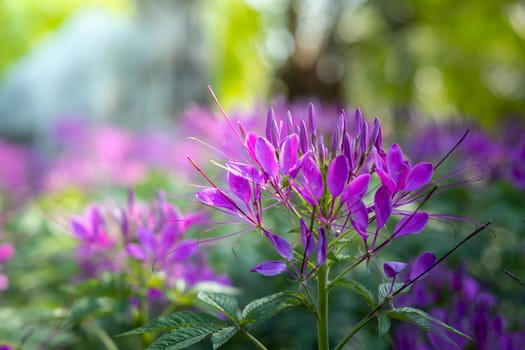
263	309
364	293
225	303
421	319
221	337
179	320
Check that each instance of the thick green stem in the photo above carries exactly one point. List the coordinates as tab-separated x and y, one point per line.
322	308
256	342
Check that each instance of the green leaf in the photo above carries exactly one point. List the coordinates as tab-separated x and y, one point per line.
421	319
87	307
356	287
183	319
222	302
263	309
181	338
384	289
221	337
383	324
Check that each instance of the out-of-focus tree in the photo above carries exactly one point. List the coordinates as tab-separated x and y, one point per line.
25	23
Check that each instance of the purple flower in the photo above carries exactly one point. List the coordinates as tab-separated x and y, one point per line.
392	268
270	268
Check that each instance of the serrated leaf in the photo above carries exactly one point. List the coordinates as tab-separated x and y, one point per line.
181	338
263	309
364	293
225	303
384	289
421	319
183	319
221	337
383	324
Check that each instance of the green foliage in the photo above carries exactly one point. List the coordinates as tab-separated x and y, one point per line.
188	327
420	319
364	293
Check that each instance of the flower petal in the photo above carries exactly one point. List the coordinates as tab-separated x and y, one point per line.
359	215
411	224
184	250
288	154
423	262
270	268
136	251
356	188
382	206
240	187
80	230
337	175
265	154
7	250
418	176
307	238
313	177
216	198
392	268
394	162
281	245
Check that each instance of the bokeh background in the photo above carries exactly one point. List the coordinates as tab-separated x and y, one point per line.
97	97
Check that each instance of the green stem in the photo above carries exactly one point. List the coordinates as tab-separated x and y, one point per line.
254	340
101	334
356	329
322	308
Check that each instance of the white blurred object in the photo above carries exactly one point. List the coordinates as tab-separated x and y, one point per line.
137	72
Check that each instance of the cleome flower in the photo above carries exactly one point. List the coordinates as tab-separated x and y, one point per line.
332	187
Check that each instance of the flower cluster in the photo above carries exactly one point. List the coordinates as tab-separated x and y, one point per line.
333	187
151	237
459	300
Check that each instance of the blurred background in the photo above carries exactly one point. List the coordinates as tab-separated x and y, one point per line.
140	63
97	96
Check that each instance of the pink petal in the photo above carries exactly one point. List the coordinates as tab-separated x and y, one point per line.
382	206
392	268
419	175
337	175
240	187
411	224
288	155
270	268
313	178
136	251
216	198
265	154
356	188
281	245
394	162
7	250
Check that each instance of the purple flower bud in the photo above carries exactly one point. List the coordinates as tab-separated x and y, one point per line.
272	132
307	238
288	154
375	132
289	123
281	245
216	198
337	175
270	268
265	155
363	138
423	262
303	137
312	119
418	176
336	140
411	224
382	206
392	268
346	146
356	188
240	187
322	247
358	121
